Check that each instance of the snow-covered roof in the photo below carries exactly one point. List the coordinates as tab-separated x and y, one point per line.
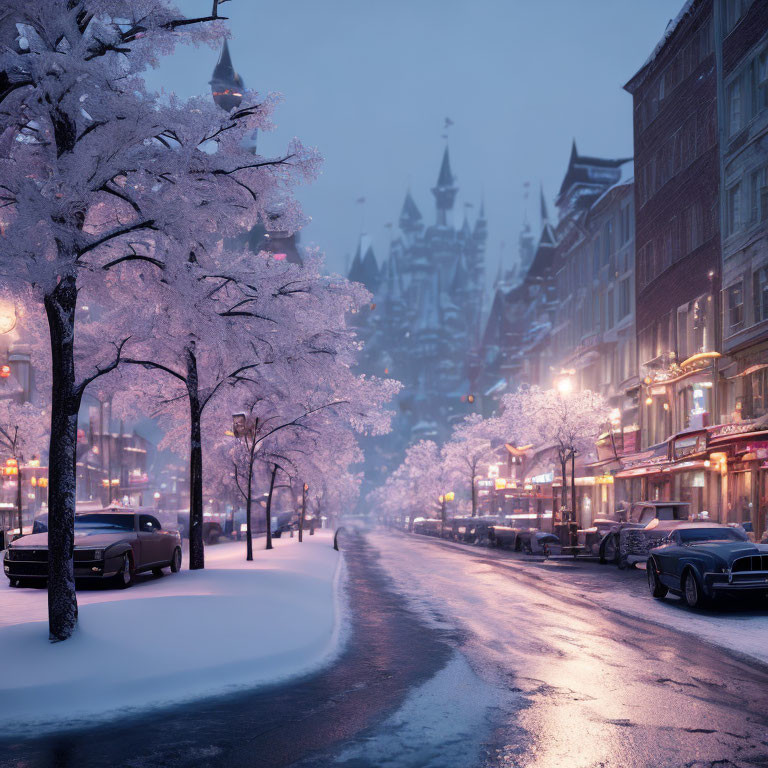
671	28
627	177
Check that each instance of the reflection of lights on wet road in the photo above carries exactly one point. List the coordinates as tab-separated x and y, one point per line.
594	689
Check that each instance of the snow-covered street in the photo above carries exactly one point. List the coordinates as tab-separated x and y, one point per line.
183	636
461	657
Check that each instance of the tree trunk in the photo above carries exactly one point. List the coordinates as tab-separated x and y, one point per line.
269	506
303	512
248	506
196	547
65	402
474	494
564	475
573	486
18	494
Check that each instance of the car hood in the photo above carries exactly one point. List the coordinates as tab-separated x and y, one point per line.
729	550
90	539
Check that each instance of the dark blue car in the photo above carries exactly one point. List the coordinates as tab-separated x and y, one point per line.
702	561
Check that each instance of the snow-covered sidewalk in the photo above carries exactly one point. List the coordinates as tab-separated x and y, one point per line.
231	626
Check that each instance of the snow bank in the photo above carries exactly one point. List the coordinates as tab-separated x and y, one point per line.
234	625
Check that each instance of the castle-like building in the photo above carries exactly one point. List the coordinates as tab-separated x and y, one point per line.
426	318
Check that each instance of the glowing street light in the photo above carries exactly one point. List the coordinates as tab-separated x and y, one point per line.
564	385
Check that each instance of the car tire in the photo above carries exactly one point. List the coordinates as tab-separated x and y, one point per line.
126	573
609	550
15	583
658	590
176	560
692	592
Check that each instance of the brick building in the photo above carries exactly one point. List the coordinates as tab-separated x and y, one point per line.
677	225
741	33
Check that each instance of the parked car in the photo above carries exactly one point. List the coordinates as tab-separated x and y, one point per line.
636	543
535	542
532	541
612	547
589	540
112	544
506	537
701	561
460	529
427	527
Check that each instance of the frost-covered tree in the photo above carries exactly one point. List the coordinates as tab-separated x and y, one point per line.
23	433
568	421
96	173
469	446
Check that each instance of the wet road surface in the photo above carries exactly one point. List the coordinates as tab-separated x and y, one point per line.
587	687
462	657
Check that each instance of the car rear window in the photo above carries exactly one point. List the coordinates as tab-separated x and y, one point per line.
672	513
103	521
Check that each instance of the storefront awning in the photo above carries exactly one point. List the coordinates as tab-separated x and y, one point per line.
752	369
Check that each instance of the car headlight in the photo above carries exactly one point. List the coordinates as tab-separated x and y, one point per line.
98	554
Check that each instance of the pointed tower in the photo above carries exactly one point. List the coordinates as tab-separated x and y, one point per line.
526	248
543	213
445	190
355	274
481	226
410	215
371	274
226	85
364	267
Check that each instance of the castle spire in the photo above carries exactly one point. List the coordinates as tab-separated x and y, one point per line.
226	85
410	215
544	212
445	190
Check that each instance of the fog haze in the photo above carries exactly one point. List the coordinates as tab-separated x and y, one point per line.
371	83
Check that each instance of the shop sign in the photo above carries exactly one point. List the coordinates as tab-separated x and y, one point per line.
485	483
735	428
548	477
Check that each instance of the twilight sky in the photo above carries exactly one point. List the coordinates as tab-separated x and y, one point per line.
370	83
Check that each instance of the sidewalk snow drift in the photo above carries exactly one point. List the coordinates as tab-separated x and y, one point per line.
232	626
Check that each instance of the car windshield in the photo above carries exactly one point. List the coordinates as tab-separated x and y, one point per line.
100	521
672	513
711	534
